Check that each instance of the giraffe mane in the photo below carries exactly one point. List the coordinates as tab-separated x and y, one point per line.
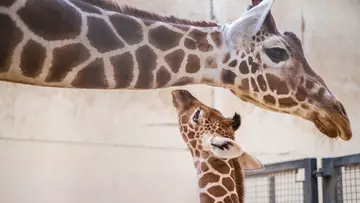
239	179
114	5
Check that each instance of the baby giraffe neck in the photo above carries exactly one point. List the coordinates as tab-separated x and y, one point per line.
219	180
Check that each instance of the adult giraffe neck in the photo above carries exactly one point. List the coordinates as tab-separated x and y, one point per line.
74	44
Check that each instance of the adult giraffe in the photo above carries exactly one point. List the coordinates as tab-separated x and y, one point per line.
97	44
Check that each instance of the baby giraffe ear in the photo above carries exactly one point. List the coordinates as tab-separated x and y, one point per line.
250	163
225	148
236	121
250	23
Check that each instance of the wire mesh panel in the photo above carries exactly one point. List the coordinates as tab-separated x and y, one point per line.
348	183
341	181
282	183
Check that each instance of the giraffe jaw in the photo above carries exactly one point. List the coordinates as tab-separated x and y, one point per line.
330	125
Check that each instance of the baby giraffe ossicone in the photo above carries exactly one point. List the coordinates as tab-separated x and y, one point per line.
219	161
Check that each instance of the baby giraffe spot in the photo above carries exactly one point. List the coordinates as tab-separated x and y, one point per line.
245	85
269	99
128	28
162	77
190	44
123	69
6	3
227	76
258	58
105	40
216	37
192	143
226	57
228	183
185	119
205	198
205	155
277	84
233	63
243	55
217	191
185	129
203	166
91	76
197	153
309	84
146	59
201	40
287	102
174	59
191	135
234	198
208	178
32	59
244	69
301	94
261	82
210	62
254	67
193	64
252	47
228	200
219	165
51	20
164	38
253	84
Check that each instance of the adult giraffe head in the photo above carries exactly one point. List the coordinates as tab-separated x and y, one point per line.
268	68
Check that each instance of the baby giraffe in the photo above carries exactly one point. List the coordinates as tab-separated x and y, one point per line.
218	159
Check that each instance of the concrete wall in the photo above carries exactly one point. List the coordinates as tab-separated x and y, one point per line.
74	146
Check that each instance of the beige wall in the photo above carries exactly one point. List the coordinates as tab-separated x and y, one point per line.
74	146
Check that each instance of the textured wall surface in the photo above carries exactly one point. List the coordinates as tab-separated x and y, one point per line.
73	146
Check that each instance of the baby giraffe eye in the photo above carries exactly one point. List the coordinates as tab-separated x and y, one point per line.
196	116
277	54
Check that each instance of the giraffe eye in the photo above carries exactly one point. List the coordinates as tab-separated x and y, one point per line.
277	54
196	116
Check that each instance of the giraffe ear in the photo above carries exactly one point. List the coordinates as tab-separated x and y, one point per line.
250	23
250	163
224	148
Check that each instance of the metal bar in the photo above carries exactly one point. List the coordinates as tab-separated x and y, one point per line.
329	181
310	183
272	196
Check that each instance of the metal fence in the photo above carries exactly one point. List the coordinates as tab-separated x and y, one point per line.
341	179
292	181
296	181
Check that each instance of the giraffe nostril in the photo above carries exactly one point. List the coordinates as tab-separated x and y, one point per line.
342	109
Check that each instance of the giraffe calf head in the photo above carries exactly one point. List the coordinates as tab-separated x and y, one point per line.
208	133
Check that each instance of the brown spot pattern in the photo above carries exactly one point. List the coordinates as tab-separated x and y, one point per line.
84	6
254	67
244	69
258	58
210	62
10	37
233	63
205	198
174	59
162	77
226	57
201	40
49	20
105	40
32	59
253	84
287	102
245	85
227	76
219	165
91	76
301	94
193	64
6	3
321	93
190	44
123	69
261	82
203	167
146	59
65	59
277	84
208	178
191	135
216	37
250	60
309	84
128	29
228	183
217	191
163	38
269	99
183	81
